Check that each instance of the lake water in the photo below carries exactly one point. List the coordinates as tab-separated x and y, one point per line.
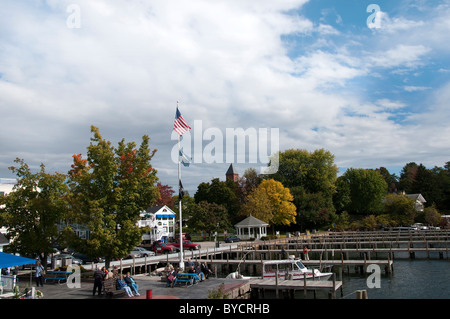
411	279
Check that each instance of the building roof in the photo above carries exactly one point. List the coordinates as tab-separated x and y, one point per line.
3	240
159	209
231	170
416	197
251	221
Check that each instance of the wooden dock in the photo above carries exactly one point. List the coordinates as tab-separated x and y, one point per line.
346	250
410	244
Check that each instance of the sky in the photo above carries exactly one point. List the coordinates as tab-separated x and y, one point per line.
368	81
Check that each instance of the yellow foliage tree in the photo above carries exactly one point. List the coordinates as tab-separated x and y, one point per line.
271	202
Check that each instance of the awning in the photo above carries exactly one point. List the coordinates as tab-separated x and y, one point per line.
165	215
8	260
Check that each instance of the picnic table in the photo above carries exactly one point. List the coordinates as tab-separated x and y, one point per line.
187	278
57	275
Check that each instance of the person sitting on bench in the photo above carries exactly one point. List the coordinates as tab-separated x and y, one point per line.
192	271
205	270
171	278
121	284
132	284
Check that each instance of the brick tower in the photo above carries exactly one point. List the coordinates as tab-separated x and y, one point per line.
232	174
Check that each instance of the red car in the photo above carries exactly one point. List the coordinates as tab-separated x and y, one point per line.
163	248
187	244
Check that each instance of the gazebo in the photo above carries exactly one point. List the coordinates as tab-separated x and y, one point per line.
251	227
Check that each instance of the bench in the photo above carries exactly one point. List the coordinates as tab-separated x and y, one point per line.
57	276
187	278
110	288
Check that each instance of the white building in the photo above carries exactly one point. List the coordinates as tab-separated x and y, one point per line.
161	220
419	201
251	227
6	187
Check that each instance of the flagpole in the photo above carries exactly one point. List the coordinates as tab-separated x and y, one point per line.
181	266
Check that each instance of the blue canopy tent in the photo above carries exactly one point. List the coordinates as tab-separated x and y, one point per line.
8	260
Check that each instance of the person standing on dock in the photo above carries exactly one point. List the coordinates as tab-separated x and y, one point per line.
305	253
39	274
99	275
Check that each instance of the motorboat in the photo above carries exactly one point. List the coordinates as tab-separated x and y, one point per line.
293	269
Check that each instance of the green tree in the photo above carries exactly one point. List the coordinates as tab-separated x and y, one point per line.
314	171
342	197
221	193
248	183
407	177
390	179
429	216
31	212
343	221
401	209
188	207
309	175
109	189
367	189
369	222
316	210
209	217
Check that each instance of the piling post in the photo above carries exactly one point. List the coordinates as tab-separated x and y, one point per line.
304	285
365	264
145	267
361	294
333	293
276	283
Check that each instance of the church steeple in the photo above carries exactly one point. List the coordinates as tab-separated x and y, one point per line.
232	174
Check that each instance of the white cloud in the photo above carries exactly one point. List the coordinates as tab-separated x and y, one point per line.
408	56
412	88
226	63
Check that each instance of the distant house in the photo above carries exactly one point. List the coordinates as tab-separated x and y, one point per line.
161	221
3	242
6	187
419	201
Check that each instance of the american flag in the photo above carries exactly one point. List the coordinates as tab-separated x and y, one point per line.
180	125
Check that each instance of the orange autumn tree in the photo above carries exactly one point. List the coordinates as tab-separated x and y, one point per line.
109	189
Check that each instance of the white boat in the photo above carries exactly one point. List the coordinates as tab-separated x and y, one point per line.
293	268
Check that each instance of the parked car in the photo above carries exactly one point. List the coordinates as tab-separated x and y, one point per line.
142	252
163	248
419	226
85	259
187	244
75	260
232	239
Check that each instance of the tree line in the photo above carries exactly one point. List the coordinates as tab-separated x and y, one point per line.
307	193
106	192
